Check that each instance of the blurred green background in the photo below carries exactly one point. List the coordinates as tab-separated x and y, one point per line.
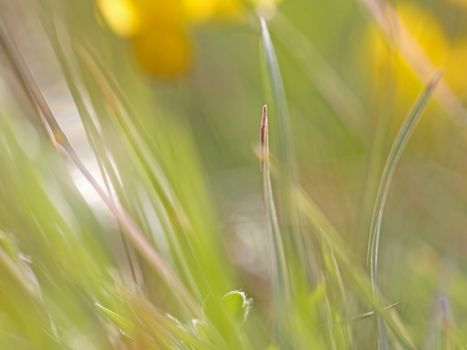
180	155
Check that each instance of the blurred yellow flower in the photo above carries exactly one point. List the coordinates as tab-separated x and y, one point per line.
206	10
449	54
159	30
120	15
163	51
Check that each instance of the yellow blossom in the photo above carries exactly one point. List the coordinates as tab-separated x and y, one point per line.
208	10
444	52
163	52
159	30
120	15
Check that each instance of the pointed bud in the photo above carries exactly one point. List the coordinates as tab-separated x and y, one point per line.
263	137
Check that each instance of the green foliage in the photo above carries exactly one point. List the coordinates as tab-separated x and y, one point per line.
133	213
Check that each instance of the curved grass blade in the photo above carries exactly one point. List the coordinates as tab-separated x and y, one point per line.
394	156
327	232
278	261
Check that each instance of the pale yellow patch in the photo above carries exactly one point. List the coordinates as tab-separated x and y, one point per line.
266	7
272	347
121	16
199	11
456	69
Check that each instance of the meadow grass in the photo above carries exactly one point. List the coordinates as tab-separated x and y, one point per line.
149	263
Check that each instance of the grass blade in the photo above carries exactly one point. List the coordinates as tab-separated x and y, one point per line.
278	262
394	156
327	232
298	254
60	141
287	177
278	95
329	84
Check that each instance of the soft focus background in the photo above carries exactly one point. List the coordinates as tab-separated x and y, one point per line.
169	129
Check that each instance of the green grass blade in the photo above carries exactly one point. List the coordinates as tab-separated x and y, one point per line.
277	91
327	232
394	156
278	263
288	214
298	255
331	87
